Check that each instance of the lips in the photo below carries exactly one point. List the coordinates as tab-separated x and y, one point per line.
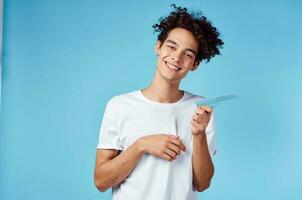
173	67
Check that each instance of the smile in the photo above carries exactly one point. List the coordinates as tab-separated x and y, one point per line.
173	67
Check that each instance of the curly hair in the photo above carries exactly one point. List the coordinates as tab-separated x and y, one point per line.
207	35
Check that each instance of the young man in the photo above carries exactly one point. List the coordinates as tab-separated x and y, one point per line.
155	143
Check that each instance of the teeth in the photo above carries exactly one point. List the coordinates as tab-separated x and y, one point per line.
172	67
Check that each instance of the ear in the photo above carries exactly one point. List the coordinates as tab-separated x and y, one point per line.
195	65
157	47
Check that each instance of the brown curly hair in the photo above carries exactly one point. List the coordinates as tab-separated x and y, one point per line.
206	34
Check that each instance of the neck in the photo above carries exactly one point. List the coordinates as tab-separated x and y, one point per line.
163	91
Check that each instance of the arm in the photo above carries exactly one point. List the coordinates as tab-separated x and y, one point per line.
111	168
203	168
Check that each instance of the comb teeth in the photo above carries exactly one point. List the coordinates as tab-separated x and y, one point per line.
226	97
214	101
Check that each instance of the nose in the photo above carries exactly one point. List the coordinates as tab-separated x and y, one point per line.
176	56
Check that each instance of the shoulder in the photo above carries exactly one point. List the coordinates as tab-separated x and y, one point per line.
122	98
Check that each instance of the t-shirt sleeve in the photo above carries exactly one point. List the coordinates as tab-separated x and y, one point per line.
211	135
108	132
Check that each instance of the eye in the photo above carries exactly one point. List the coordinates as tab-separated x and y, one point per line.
171	47
189	55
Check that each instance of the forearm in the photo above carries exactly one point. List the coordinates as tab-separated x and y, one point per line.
114	171
203	169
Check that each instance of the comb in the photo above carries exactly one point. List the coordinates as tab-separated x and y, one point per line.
215	101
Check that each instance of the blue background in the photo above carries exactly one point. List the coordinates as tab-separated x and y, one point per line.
63	60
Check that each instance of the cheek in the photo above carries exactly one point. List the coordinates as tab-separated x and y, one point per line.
164	54
188	61
189	64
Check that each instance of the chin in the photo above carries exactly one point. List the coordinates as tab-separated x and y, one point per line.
172	79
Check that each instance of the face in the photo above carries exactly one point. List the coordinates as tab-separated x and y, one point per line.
176	56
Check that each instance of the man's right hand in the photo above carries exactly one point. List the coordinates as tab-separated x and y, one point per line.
164	146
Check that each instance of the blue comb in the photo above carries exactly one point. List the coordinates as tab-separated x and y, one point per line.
215	101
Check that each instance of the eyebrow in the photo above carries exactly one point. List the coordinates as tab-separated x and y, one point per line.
187	49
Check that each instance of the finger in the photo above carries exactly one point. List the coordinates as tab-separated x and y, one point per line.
197	128
200	111
179	143
171	153
174	148
195	124
204	109
183	147
195	117
176	141
167	157
207	108
173	136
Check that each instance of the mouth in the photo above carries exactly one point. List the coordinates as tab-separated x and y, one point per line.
172	67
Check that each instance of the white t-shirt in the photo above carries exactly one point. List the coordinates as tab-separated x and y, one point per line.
130	116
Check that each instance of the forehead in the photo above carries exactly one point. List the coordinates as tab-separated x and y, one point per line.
183	38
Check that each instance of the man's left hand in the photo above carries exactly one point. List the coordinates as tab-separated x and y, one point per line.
200	119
